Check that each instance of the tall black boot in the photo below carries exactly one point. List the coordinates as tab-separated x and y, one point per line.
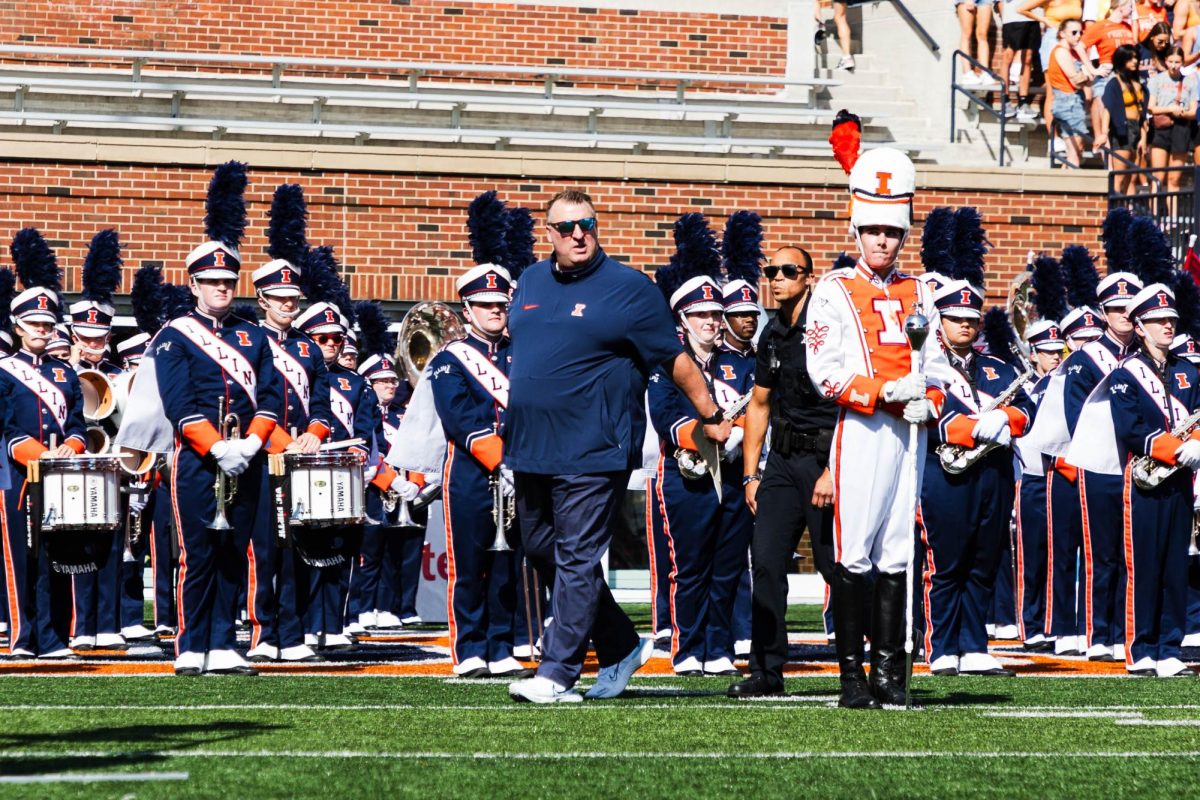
888	670
846	593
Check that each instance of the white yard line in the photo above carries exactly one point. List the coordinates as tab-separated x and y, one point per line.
1063	714
1162	723
95	777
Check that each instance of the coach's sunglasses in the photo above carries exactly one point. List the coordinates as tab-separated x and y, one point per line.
790	271
567	226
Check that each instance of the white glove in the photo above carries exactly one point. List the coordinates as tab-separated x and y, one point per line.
1188	454
733	445
918	411
506	482
230	460
250	445
910	387
369	472
989	427
137	502
405	488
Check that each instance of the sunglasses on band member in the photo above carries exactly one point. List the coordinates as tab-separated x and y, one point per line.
329	338
567	226
790	271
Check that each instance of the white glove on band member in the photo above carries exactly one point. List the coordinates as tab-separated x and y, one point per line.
1188	454
250	445
137	502
230	460
903	390
405	488
369	472
918	412
506	481
989	426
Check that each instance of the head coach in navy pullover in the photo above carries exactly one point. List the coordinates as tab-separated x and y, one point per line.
587	331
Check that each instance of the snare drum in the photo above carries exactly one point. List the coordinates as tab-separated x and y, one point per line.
82	493
326	489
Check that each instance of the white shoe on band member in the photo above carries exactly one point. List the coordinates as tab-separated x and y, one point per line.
541	691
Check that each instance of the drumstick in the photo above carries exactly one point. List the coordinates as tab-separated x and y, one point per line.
341	445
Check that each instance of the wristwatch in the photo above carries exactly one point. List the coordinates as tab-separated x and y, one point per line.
715	418
749	479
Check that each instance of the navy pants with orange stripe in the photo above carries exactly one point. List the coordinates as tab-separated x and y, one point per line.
212	564
660	561
164	560
97	595
39	599
481	592
1030	552
1104	567
966	518
1156	545
1065	609
271	591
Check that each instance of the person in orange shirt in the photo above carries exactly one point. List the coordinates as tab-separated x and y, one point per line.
1106	36
1067	75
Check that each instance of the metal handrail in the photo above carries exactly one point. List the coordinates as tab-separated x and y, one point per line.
986	107
908	17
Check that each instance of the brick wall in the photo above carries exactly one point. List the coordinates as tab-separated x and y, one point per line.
403	236
412	30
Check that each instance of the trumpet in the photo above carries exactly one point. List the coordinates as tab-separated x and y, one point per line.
225	486
504	509
1148	472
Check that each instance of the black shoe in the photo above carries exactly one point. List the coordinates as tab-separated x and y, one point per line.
523	672
241	669
188	672
478	672
1040	647
995	672
1102	657
856	695
756	685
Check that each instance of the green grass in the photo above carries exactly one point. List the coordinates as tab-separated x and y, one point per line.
333	740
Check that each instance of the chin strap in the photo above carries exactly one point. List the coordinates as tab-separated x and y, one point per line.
23	325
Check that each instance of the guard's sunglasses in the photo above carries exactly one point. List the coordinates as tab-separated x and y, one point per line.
790	271
567	226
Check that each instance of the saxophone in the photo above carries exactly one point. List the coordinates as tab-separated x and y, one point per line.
956	458
1148	471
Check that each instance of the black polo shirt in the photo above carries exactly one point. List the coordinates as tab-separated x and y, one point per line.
783	368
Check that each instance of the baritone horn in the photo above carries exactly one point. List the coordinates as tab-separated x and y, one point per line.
425	330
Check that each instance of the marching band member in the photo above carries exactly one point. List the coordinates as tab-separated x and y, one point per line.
859	357
42	405
348	358
276	631
209	364
470	390
965	515
59	346
707	550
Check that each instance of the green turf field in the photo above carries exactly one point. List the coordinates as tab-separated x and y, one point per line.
330	737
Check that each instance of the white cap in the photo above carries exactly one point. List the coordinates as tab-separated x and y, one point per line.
882	184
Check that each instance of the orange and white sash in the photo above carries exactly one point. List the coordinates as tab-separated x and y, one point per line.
1153	386
51	396
293	372
231	362
482	370
342	409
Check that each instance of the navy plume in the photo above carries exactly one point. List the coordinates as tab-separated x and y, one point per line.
1079	270
225	207
487	222
518	242
247	311
146	298
844	261
35	261
741	247
372	328
970	246
999	336
8	290
176	301
1187	303
1118	256
287	232
102	267
1152	259
937	241
322	282
1049	285
695	254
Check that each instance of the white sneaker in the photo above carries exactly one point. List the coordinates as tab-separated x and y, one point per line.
312	639
662	633
1191	640
612	680
1172	667
846	63
83	642
472	667
981	664
508	668
108	640
1118	652
1144	666
1007	632
368	619
1099	652
968	80
335	641
298	652
62	652
189	663
164	630
944	665
1035	640
220	661
136	633
741	647
990	629
689	666
354	629
3	627
542	690
20	652
1069	645
1027	113
525	651
987	83
413	620
264	652
720	666
386	619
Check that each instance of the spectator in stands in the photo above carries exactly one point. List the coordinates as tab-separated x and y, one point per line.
1123	117
1147	15
1054	14
975	23
1186	17
1106	36
1172	106
1068	74
840	22
1020	37
1152	52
